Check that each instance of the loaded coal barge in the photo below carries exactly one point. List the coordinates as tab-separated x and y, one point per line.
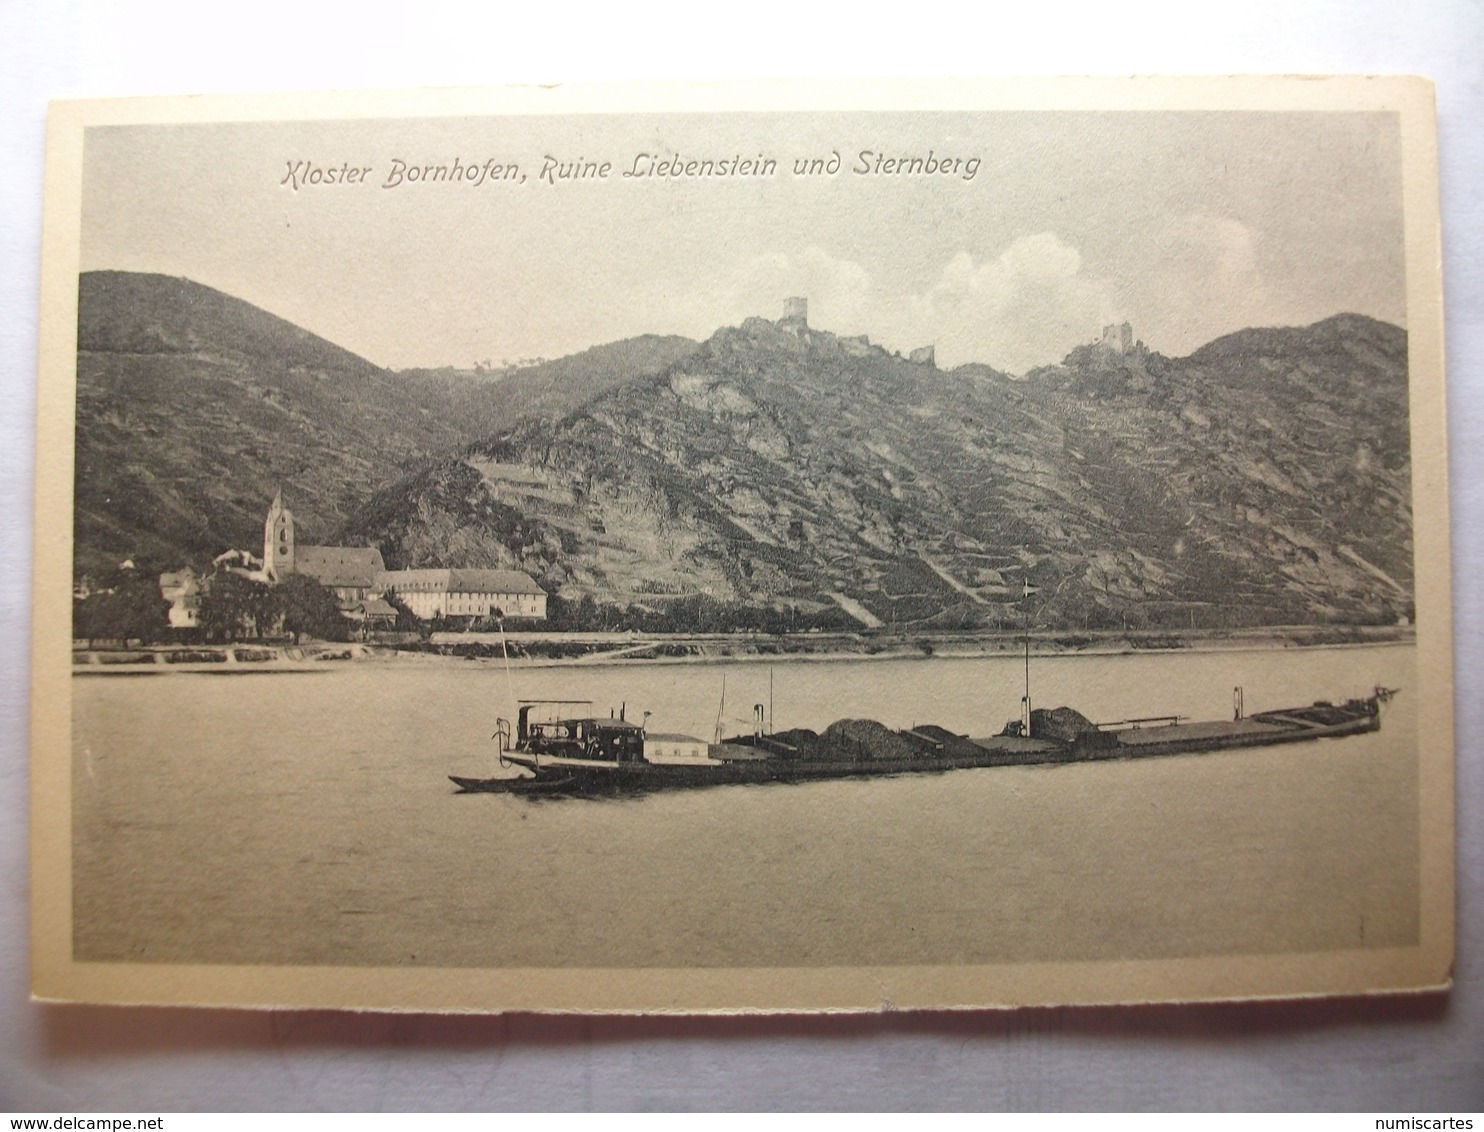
567	751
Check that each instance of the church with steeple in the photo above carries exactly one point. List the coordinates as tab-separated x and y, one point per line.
359	577
351	571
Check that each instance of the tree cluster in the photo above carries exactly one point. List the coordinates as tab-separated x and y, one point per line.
236	607
407	621
127	606
693	614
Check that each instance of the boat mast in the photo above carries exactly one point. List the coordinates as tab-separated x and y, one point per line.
509	680
1026	589
721	707
1025	700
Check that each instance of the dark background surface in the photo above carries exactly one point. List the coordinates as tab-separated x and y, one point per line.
1389	1054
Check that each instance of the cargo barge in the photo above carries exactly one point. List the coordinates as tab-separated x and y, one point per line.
579	753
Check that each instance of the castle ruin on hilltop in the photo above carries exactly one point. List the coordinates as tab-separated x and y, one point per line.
796	319
1117	338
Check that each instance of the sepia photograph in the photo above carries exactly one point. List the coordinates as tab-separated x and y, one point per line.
743	548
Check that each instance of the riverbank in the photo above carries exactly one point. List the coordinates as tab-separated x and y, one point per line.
551	649
544	650
156	659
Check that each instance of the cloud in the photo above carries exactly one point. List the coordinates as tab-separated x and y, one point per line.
1217	248
1203	279
1026	307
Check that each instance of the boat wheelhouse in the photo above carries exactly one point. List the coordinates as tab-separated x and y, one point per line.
547	736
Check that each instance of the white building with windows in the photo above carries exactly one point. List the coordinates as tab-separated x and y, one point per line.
182	589
466	593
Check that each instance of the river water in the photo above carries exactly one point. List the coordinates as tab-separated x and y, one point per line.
306	818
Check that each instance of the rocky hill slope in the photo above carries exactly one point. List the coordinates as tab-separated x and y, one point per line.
194	407
1263	480
486	401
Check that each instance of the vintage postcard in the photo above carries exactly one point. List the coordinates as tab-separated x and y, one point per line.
793	547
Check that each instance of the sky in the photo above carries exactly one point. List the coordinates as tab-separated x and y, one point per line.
1188	225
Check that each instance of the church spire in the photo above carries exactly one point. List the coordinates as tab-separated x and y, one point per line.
278	540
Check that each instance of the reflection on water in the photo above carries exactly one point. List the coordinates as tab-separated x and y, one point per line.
288	818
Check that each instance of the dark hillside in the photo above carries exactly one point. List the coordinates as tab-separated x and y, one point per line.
1257	482
194	408
490	400
1264	479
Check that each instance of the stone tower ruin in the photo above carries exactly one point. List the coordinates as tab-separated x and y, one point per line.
1119	339
796	310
